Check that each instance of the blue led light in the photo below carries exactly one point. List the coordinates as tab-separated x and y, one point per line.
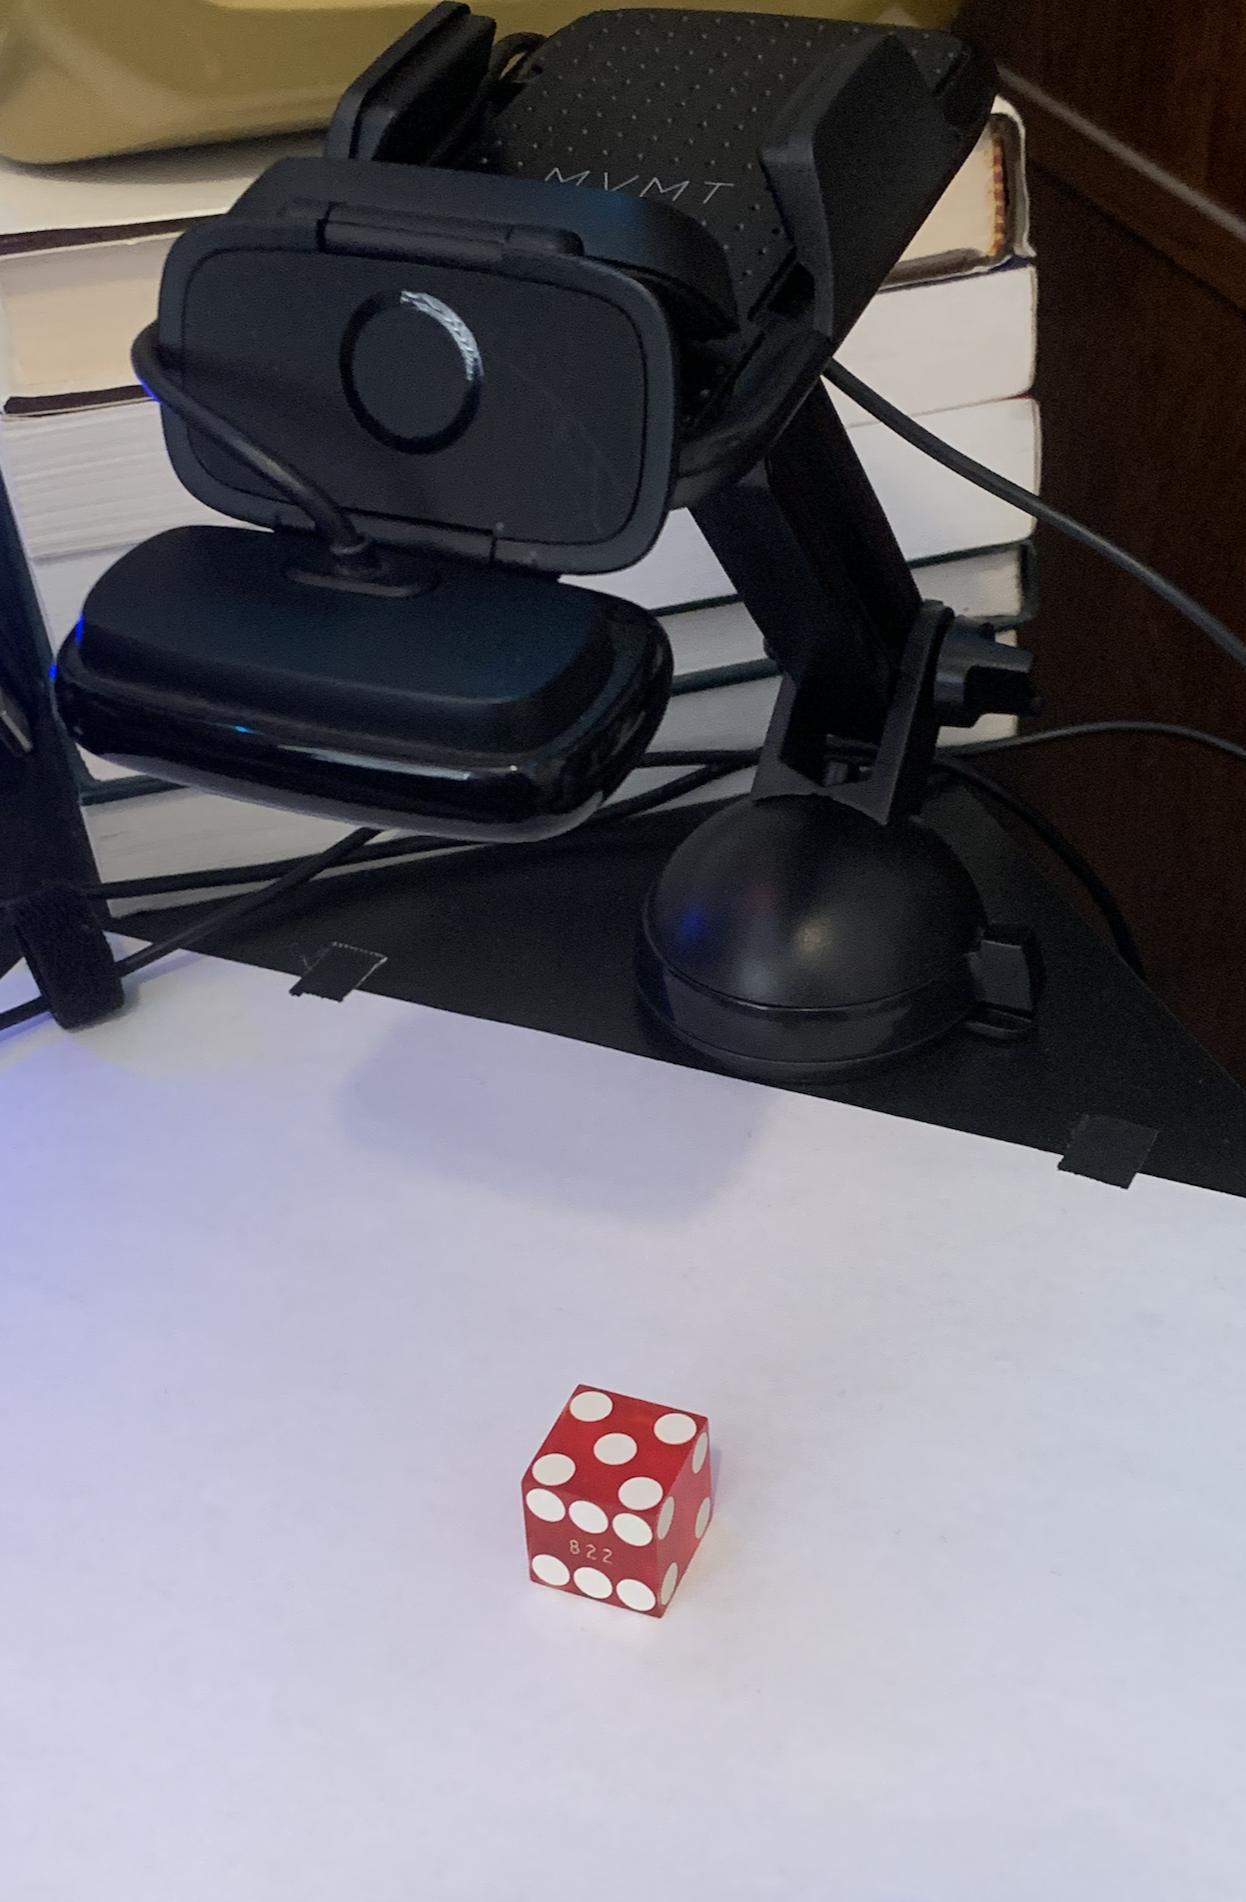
692	925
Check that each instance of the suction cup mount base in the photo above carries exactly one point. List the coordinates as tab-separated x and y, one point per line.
819	928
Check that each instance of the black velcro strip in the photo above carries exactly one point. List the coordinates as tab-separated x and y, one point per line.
63	942
1108	1149
336	971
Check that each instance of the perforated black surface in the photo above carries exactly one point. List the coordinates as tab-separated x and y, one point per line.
663	105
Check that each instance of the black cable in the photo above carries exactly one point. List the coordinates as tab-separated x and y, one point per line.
241	907
1068	855
857	753
109	792
931	445
711	765
414	845
1038	823
723	761
728	759
662	795
734	674
171	883
221	915
351	551
1087	729
358	846
673	609
730	756
22	1013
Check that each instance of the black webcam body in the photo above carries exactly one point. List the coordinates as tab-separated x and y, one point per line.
600	313
532	297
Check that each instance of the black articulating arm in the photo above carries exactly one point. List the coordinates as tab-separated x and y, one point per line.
807	545
818	927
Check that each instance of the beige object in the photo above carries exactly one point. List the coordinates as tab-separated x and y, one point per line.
83	78
82	248
81	252
983	216
80	78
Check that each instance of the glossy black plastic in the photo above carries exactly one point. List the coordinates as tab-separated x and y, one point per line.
613	291
796	938
466	701
610	301
478	389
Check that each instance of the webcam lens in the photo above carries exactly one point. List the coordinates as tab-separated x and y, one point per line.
412	370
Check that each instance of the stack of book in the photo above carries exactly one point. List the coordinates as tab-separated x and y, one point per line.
951	339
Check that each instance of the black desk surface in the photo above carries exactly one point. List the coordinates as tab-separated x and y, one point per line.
543	937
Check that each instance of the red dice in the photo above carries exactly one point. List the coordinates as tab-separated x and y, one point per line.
617	1499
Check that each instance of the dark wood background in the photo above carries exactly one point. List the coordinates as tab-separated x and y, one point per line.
1136	111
